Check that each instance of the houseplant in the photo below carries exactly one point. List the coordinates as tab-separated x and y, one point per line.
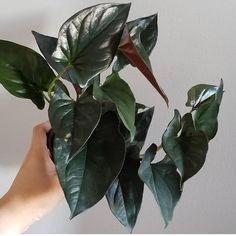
97	137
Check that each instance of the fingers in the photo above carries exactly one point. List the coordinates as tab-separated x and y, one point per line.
40	131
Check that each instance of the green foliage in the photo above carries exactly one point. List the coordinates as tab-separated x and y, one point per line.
206	115
91	172
76	45
125	194
143	32
118	92
163	180
188	149
23	72
99	135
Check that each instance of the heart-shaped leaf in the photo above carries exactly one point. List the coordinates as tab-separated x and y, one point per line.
163	180
116	90
24	73
88	40
188	149
200	94
144	30
91	172
129	50
125	194
205	117
76	119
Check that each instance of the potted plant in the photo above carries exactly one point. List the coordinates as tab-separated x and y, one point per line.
97	137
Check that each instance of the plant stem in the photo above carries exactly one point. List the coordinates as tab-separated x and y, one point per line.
159	148
141	156
52	84
78	90
46	98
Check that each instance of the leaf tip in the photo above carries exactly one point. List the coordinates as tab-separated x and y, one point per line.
166	224
35	34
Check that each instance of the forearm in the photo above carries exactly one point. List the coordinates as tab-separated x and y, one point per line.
19	211
15	215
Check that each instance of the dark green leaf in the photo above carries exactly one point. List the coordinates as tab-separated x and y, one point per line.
205	117
88	41
140	106
147	28
76	119
163	180
142	123
47	46
200	94
129	50
87	116
91	172
61	113
23	72
118	91
61	153
188	149
143	31
125	195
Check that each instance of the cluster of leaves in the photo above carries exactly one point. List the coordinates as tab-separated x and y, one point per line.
99	135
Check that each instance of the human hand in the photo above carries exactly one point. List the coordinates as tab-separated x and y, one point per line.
35	190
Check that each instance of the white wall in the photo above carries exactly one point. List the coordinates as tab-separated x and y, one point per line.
196	44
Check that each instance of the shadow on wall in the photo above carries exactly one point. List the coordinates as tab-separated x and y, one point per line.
18	117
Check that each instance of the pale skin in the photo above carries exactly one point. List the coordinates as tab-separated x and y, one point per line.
35	190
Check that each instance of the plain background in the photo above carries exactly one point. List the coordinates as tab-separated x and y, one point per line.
196	44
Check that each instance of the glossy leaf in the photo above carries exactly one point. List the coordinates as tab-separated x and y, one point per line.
125	195
47	46
163	180
142	123
76	119
61	113
91	172
147	28
61	153
205	117
188	149
145	31
88	112
200	94
128	49
88	40
23	72
116	90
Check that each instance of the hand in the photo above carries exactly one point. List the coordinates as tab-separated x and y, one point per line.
35	190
